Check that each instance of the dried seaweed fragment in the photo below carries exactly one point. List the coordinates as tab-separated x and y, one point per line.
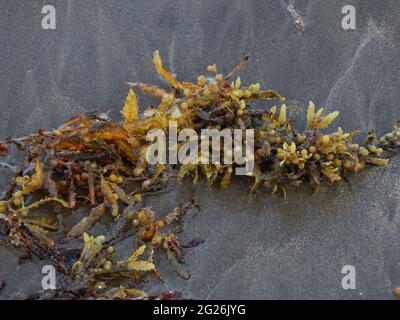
92	247
297	19
158	65
86	223
92	160
109	197
35	182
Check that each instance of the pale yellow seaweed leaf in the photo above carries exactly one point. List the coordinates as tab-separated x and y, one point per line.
140	265
136	292
238	83
282	115
310	113
326	121
319	112
136	254
131	108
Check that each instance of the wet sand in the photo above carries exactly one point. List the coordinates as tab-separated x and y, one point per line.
254	246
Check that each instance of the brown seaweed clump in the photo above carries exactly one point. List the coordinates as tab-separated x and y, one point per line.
91	160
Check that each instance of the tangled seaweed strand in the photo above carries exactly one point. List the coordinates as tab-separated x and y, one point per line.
93	160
